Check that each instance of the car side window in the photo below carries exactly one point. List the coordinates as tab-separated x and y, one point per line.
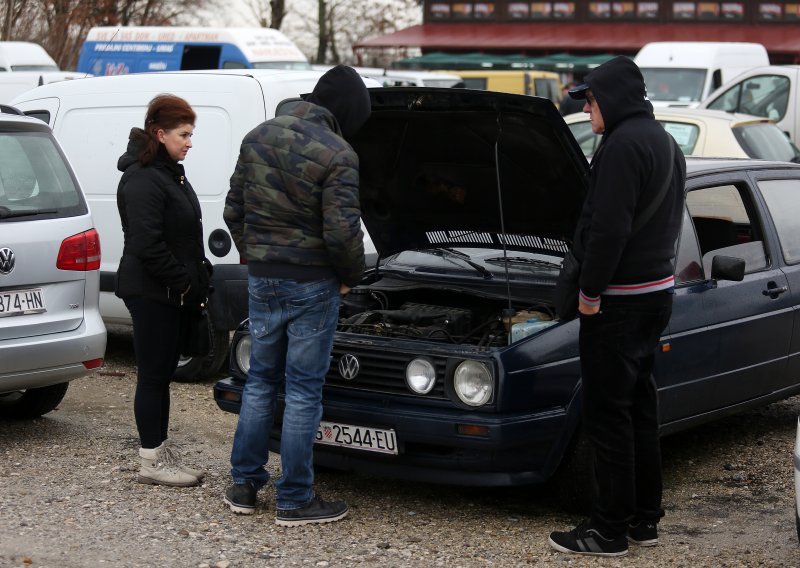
587	140
764	95
688	262
685	134
726	224
783	201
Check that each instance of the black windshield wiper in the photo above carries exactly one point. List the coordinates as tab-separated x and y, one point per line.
6	213
523	260
451	253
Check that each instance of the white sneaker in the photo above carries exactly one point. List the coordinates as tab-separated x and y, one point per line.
158	467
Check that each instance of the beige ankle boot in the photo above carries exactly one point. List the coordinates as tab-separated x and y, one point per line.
158	467
177	456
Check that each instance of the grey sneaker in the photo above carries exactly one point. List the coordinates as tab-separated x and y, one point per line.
241	498
643	533
316	511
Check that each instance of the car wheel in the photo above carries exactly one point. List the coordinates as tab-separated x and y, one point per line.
31	403
194	369
574	482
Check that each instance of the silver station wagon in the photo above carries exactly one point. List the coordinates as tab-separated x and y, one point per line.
50	326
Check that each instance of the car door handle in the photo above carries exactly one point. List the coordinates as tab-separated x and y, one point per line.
774	291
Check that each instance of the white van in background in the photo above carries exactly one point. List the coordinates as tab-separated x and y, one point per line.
92	119
771	92
25	65
683	73
121	50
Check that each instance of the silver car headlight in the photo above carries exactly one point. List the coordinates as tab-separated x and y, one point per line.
242	353
473	383
420	376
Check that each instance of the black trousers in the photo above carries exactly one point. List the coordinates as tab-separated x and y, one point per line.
156	333
620	407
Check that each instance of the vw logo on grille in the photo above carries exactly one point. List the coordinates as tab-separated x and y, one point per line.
7	262
349	367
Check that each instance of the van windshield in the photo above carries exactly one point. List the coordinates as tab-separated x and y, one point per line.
34	68
670	84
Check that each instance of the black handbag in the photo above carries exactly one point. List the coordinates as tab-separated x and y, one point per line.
566	294
197	340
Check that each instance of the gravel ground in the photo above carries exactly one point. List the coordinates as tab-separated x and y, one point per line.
68	498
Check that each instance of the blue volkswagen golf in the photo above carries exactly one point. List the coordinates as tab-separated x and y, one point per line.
449	364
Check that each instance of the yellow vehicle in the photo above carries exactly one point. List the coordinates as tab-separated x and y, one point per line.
545	84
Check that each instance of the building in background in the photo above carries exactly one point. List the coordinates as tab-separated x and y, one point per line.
585	27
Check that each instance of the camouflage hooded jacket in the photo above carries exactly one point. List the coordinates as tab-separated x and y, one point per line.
293	198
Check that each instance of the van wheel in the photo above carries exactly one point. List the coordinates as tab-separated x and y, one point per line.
195	369
574	482
31	403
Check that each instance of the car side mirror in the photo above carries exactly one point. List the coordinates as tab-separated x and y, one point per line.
727	268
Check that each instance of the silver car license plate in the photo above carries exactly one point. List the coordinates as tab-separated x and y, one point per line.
21	302
357	437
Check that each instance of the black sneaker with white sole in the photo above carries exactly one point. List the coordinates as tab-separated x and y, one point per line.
316	511
241	498
585	539
643	533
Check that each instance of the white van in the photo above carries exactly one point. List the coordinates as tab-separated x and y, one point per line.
683	73
25	56
137	49
772	92
25	65
92	119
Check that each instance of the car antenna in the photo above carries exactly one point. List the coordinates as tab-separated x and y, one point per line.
96	57
508	312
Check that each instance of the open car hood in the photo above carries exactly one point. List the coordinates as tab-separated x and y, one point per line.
456	167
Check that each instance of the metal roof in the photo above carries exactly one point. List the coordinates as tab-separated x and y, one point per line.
592	37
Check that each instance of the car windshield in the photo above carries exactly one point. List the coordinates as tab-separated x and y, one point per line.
34	179
683	85
767	142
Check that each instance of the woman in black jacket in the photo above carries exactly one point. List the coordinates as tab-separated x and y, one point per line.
162	276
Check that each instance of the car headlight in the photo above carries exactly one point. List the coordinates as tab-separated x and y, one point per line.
420	376
473	383
242	353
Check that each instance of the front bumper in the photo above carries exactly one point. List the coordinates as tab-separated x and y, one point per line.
436	443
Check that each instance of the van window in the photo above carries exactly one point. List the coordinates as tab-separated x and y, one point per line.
764	95
42	115
475	83
34	179
668	84
200	57
547	88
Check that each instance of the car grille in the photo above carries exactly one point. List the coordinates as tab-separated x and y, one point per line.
381	371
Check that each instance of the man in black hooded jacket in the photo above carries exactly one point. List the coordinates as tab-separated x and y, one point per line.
625	242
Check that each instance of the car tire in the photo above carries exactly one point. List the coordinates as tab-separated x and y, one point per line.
31	403
574	483
195	369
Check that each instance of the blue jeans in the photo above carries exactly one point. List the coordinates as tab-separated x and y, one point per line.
291	325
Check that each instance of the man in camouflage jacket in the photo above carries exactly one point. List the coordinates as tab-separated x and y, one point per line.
294	214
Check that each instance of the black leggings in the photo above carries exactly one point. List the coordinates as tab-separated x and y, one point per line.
156	329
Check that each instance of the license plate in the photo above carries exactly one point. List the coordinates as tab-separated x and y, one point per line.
358	437
21	302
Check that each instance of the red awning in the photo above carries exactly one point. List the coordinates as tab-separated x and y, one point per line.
592	37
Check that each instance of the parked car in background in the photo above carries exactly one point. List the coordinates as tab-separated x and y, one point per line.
50	326
683	73
546	84
448	363
701	132
771	91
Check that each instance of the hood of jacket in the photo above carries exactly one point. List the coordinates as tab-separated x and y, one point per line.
342	91
618	87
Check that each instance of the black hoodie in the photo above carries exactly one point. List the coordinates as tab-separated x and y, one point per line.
341	90
627	171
